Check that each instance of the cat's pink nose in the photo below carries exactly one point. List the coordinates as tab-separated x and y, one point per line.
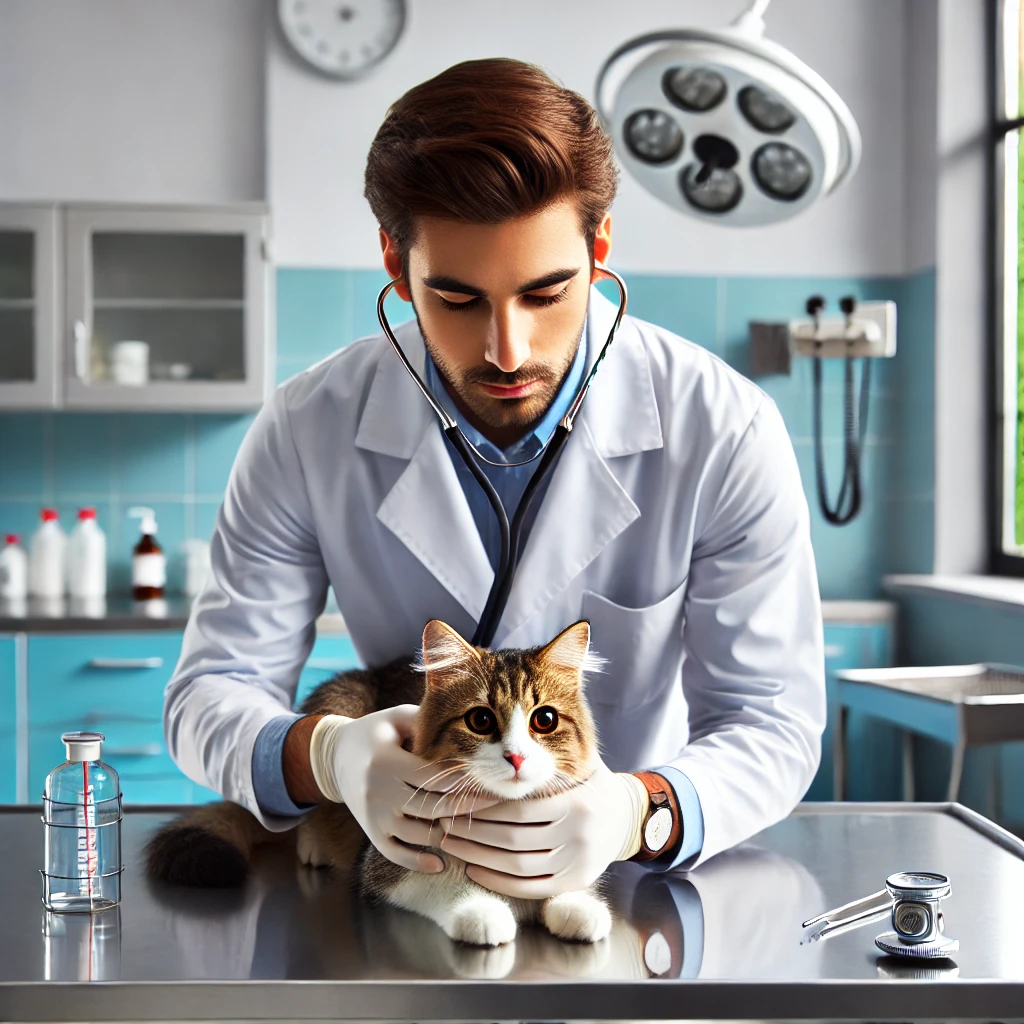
515	760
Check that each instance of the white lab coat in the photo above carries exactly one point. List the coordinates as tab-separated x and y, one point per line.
675	522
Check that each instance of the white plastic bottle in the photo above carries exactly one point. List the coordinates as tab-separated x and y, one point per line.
87	557
47	556
13	570
149	563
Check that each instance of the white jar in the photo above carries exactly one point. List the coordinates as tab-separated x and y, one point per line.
13	570
47	556
129	363
87	557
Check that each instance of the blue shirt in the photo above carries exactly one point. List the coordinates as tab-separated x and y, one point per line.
510	482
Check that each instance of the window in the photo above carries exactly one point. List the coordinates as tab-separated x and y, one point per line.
1010	272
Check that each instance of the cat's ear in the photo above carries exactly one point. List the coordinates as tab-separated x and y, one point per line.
571	650
445	653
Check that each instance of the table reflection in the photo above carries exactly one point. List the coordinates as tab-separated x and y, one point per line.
292	921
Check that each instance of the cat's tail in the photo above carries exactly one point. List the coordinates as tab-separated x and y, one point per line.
208	847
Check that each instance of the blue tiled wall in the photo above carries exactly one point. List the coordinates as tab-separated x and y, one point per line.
178	464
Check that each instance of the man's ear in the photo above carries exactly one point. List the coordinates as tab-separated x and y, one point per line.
445	654
602	245
393	266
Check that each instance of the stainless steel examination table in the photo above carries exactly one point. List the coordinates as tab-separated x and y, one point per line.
722	942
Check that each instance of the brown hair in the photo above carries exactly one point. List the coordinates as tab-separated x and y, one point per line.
486	141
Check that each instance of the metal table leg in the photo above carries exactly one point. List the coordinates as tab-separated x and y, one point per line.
956	770
908	765
839	756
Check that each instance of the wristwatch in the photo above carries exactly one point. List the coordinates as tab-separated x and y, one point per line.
661	827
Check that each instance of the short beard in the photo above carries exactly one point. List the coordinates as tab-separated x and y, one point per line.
503	413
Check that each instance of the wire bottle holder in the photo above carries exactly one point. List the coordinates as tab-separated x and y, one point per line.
82	813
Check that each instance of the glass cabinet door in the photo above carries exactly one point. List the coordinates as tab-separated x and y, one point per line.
29	272
166	309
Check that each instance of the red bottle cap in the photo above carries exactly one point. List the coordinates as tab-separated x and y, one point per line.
12	538
49	514
87	513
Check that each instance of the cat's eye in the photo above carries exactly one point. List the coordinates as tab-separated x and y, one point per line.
544	720
480	720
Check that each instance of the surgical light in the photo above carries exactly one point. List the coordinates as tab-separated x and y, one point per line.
725	125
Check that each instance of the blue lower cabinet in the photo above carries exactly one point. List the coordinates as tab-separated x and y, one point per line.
114	683
8	720
873	749
111	683
330	655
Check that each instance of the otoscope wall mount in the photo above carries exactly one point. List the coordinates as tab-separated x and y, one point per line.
870	332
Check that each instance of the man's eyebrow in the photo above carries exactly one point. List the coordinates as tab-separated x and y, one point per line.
443	283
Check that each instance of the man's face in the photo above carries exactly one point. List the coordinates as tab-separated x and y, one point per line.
501	309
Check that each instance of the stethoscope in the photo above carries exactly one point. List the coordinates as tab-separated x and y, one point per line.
508	559
911	901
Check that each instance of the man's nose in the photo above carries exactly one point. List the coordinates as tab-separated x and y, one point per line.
508	345
515	760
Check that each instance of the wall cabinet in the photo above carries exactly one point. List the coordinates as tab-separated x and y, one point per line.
193	284
30	283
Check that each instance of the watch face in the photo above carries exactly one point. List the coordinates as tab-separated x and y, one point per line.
342	38
658	829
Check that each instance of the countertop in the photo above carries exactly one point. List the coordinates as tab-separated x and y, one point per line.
116	613
722	942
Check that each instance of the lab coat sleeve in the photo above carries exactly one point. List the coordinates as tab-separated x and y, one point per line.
253	625
754	672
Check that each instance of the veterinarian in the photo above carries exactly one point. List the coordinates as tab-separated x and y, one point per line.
674	521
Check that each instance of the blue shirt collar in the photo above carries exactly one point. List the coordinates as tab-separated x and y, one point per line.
531	443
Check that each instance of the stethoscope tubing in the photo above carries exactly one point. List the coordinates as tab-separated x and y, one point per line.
510	535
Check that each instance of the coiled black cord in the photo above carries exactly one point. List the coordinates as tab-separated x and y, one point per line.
855	422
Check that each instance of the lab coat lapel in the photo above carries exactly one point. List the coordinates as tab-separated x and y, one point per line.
426	508
586	507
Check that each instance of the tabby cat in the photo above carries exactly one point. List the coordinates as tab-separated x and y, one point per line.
475	706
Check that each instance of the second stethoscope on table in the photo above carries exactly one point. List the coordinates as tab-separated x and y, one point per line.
509	551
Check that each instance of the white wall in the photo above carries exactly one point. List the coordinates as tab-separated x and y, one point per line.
319	131
921	70
132	100
962	328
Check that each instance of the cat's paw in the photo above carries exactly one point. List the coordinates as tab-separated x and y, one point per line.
577	917
312	849
482	922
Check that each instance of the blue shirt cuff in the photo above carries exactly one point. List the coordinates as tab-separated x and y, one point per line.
268	771
693	821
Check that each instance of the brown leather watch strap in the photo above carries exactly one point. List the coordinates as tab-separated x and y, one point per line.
658	784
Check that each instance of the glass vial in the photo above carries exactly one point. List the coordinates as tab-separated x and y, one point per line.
82	830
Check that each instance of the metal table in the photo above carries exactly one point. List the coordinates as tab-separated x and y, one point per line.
962	705
722	942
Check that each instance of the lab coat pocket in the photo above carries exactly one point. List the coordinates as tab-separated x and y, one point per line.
643	648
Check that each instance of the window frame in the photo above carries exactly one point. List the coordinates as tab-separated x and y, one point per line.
1003	317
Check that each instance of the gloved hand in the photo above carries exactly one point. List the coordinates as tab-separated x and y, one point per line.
395	796
538	848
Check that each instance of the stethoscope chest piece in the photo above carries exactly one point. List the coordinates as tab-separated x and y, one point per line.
911	899
916	919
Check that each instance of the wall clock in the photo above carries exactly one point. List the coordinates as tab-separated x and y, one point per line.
342	38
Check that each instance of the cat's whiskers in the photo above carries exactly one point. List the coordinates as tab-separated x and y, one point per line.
470	787
427	792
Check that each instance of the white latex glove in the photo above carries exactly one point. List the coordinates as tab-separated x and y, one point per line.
534	849
395	796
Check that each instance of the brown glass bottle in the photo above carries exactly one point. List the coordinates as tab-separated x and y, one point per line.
146	590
